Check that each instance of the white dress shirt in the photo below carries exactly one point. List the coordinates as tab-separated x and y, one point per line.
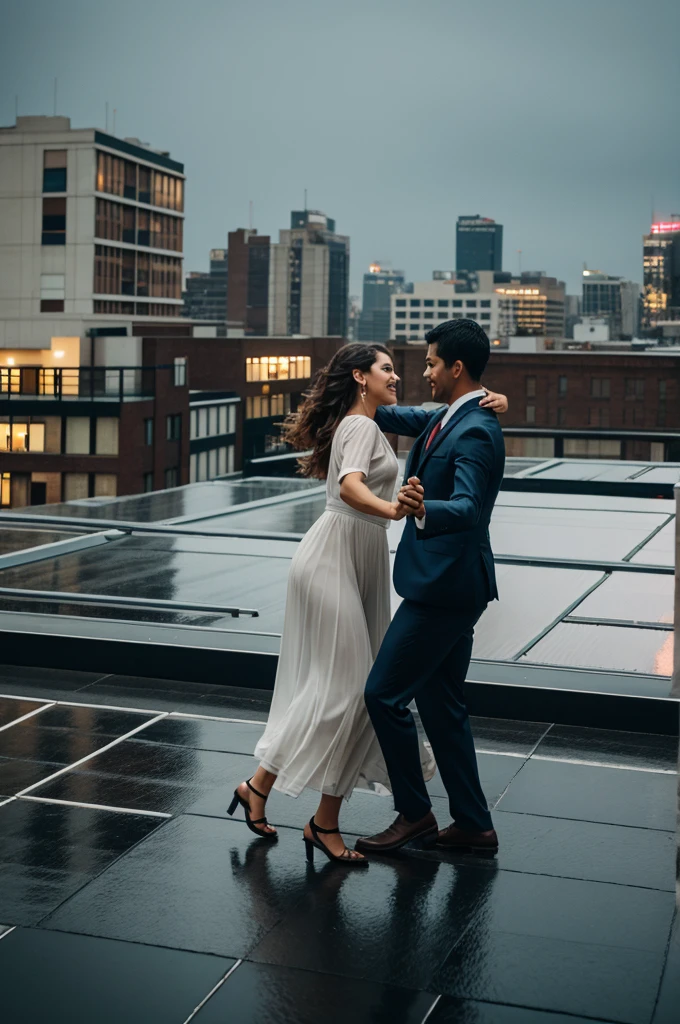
451	411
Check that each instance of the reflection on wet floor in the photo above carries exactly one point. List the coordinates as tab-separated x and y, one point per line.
125	866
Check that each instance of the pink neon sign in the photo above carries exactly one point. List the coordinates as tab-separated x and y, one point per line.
664	228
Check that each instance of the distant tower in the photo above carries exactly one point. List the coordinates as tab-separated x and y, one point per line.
479	244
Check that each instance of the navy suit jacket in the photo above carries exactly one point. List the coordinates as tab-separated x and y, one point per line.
450	561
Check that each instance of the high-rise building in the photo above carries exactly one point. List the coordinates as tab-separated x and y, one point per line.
479	244
531	304
379	287
92	227
205	295
429	303
248	288
309	278
661	268
612	299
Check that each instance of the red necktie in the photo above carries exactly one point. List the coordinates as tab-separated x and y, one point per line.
435	430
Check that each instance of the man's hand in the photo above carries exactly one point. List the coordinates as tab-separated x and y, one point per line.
411	497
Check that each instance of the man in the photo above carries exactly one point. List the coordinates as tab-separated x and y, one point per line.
444	571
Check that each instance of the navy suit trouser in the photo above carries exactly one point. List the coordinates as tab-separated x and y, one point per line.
425	656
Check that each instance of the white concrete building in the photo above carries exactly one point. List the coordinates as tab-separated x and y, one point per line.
432	302
91	236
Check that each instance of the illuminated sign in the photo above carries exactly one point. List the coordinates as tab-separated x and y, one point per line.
374	268
665	227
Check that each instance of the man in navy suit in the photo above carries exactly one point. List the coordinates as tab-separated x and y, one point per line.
444	571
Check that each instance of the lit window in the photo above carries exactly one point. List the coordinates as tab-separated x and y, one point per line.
180	378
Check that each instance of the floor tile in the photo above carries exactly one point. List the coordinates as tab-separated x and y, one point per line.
596	913
10	709
392	923
639	799
199	883
265	994
149	777
62	734
504	736
43	682
669	994
580	849
84	980
496	773
48	852
17	774
194	698
553	974
197	734
465	1011
609	746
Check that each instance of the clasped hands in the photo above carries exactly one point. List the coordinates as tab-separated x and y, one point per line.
410	499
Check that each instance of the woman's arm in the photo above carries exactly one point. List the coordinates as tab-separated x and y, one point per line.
496	402
355	493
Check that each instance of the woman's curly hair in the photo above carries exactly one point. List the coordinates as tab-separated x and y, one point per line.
329	399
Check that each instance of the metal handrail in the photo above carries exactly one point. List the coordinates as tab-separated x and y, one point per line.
150	603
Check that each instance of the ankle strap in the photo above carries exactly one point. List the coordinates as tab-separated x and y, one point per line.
255	791
325	831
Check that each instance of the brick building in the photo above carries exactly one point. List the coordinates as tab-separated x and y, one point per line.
608	405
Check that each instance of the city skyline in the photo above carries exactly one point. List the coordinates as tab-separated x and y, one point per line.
565	142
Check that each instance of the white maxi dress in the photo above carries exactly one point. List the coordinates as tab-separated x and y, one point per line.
319	734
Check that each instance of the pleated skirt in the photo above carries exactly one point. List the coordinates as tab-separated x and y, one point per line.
319	734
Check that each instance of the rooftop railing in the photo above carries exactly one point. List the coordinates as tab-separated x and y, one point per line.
89	383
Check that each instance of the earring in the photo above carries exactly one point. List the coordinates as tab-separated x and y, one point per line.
363	394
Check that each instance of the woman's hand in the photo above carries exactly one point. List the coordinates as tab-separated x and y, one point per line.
399	511
497	403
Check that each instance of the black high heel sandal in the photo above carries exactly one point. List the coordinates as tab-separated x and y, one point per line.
344	858
250	822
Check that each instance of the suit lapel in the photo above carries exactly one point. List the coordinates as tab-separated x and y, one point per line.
460	413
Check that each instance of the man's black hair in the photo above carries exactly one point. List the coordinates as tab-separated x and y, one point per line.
464	340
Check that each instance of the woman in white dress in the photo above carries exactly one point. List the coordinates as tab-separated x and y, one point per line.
318	734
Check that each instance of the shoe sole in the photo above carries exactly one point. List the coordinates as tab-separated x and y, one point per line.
425	840
476	851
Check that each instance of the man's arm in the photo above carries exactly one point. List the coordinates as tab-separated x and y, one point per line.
461	511
405	420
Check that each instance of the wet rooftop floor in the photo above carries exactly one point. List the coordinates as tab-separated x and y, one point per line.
134	897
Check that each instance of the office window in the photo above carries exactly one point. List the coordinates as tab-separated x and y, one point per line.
401	315
635	388
54	170
76	486
400	337
172	477
443	304
54	222
530	387
148	431
530	415
416	315
485	316
147	482
485	304
222	418
105	485
232	417
401	302
78	435
106	433
561	416
52	293
562	387
415	302
471	304
457	303
202	423
278	368
600	387
471	315
428	316
173	427
428	303
202	471
221	461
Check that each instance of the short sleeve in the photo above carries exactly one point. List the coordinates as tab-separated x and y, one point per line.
357	444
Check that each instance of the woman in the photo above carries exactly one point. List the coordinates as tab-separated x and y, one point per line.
338	604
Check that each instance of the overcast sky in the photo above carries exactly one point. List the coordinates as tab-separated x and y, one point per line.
560	120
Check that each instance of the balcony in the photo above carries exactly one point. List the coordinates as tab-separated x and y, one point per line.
88	383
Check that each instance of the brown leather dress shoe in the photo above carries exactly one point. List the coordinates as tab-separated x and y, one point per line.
453	838
399	834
